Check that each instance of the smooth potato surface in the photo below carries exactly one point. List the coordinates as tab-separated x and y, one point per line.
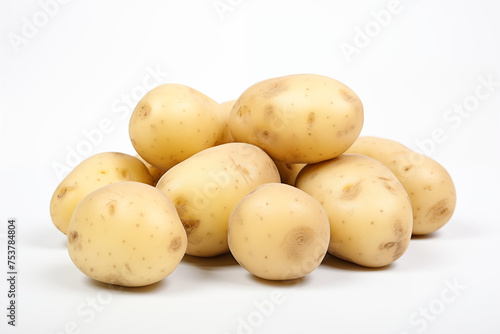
171	123
301	118
126	233
278	232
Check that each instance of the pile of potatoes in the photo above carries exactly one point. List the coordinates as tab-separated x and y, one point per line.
279	178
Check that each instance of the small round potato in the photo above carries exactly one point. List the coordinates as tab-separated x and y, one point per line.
303	118
430	187
369	210
278	232
207	186
171	123
92	173
127	233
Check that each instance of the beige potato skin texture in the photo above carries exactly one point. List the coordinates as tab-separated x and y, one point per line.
369	210
207	186
430	187
302	118
126	233
92	173
171	123
278	232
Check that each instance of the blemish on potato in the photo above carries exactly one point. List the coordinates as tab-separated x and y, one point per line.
296	241
144	110
73	237
438	212
310	119
111	207
351	191
175	244
190	225
346	95
387	245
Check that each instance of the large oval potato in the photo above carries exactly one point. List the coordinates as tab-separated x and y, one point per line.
207	186
127	233
278	232
92	173
301	118
369	210
171	123
430	187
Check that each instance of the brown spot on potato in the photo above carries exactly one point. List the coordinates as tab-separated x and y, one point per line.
269	111
175	244
111	207
310	119
73	237
387	245
347	95
351	191
296	241
128	268
190	225
438	212
144	110
390	188
273	88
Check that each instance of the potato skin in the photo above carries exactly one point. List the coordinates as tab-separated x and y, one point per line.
430	187
92	173
278	232
171	123
302	118
369	211
207	186
127	233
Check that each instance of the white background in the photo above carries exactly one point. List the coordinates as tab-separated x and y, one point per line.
66	68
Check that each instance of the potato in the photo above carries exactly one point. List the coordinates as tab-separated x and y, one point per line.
224	111
207	186
369	210
430	187
171	123
156	173
301	118
288	172
92	173
278	232
127	233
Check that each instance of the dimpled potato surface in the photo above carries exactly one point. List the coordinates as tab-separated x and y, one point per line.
92	173
278	232
126	233
302	118
369	210
429	185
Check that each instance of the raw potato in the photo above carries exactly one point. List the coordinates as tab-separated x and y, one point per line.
288	172
369	210
127	233
301	118
92	173
430	187
224	111
207	186
171	123
278	232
